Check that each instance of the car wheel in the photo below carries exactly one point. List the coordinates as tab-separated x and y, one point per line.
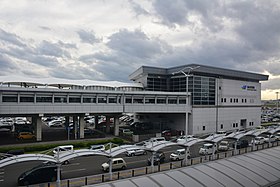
177	159
123	167
132	154
188	157
145	152
107	170
66	162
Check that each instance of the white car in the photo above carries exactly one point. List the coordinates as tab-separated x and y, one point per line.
182	139
272	138
180	154
207	149
258	140
56	123
97	147
134	152
223	146
117	163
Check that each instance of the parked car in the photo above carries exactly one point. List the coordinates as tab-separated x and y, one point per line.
223	146
258	140
272	138
62	149
277	136
159	157
126	132
207	149
97	147
26	136
56	123
241	144
117	163
179	154
134	152
182	139
39	174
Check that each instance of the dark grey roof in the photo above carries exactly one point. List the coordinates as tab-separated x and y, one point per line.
261	168
202	70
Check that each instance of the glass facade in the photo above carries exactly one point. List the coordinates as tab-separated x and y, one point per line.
203	89
156	83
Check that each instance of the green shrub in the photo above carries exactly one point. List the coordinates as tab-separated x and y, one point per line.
48	146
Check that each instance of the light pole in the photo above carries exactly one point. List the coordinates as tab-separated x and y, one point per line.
187	74
277	102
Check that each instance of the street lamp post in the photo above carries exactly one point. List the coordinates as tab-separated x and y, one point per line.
277	102
186	74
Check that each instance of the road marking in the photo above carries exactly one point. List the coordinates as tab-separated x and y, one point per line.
1	180
74	164
75	170
2	173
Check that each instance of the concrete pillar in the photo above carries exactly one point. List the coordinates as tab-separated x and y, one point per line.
75	126
116	126
107	124
95	121
38	128
187	124
82	126
67	127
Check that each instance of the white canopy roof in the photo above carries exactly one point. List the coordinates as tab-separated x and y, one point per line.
56	82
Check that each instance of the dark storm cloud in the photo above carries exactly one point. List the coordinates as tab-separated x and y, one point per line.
88	37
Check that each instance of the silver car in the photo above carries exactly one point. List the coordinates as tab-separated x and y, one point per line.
134	152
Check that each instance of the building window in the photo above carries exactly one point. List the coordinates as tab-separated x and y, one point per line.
60	99
74	100
27	99
203	128
231	100
225	100
245	100
182	101
112	99
242	100
172	101
10	98
220	87
102	100
44	99
222	99
222	126
128	100
150	100
161	101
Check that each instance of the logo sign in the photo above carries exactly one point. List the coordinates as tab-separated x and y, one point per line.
249	88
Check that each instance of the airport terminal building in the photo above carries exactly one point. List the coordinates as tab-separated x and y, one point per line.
199	98
221	99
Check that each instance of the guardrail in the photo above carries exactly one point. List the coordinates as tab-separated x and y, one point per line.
95	179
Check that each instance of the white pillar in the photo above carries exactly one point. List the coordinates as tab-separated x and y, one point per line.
38	128
75	124
187	124
82	127
116	126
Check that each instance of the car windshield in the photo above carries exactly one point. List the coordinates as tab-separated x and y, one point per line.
223	143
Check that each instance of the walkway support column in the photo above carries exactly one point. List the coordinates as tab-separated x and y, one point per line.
67	127
107	124
116	126
82	126
75	124
38	128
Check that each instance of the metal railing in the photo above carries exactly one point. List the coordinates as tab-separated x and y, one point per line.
105	177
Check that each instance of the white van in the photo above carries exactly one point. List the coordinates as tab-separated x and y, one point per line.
179	154
63	148
208	149
117	163
154	141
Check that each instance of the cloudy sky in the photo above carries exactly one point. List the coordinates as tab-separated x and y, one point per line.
109	39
